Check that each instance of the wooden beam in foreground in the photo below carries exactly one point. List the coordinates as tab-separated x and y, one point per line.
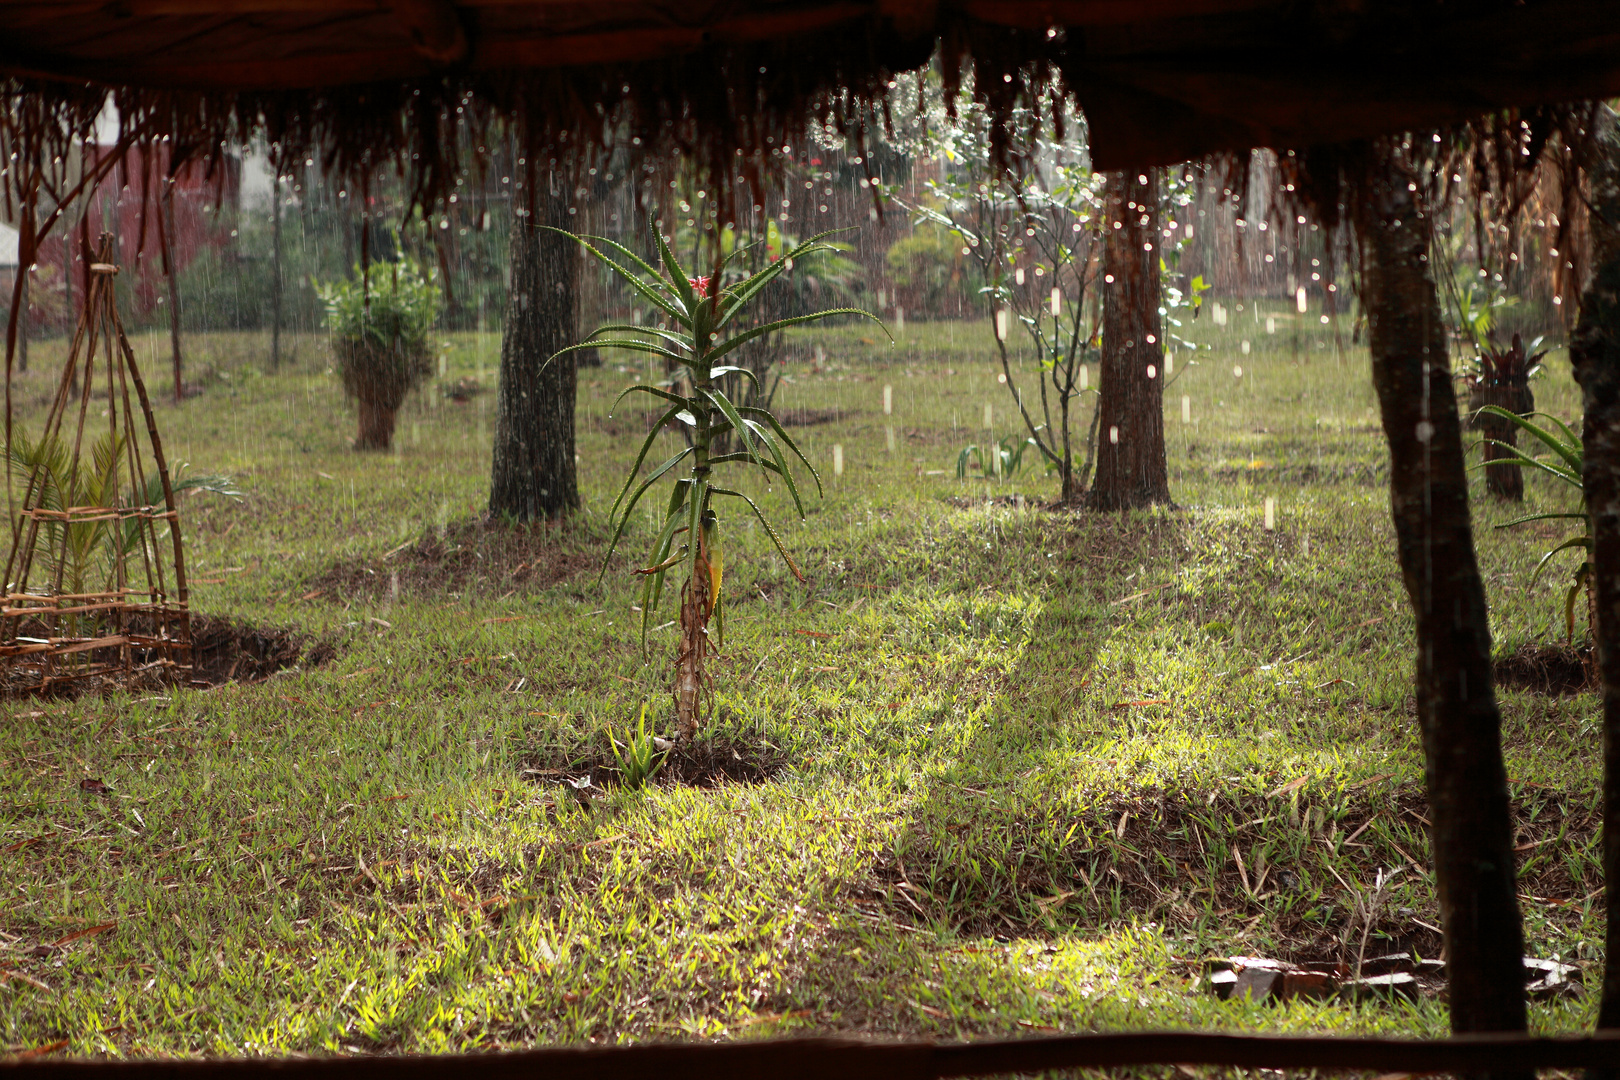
814	1059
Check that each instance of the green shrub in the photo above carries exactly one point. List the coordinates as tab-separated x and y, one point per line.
930	265
380	340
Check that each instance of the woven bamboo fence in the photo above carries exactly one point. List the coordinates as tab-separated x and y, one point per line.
95	582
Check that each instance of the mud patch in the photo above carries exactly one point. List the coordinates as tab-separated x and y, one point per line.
1356	474
707	763
810	417
1014	502
1554	670
225	651
1146	857
475	556
637	422
222	651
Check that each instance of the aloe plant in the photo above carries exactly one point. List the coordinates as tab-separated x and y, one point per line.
1002	459
696	313
1566	463
639	756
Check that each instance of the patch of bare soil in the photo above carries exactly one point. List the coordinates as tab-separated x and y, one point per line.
1016	502
708	762
810	417
1146	858
1360	474
225	651
479	555
639	422
1555	670
222	651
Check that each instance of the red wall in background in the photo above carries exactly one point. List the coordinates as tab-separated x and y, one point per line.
127	204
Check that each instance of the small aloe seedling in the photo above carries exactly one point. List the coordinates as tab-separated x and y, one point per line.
1566	463
1002	459
638	756
695	314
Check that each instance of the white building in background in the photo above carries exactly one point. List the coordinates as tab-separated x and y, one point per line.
8	265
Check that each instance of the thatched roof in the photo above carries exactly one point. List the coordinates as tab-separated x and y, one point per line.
1159	80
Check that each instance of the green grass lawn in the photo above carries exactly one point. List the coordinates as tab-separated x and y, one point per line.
1004	769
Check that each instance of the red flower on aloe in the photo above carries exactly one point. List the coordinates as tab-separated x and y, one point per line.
702	285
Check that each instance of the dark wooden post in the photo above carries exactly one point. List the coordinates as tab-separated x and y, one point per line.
1471	833
1130	387
1594	353
166	242
275	273
22	318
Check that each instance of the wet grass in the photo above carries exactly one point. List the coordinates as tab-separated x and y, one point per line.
999	768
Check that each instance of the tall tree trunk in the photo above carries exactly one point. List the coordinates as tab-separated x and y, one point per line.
275	273
533	475
1471	833
166	242
1594	353
1130	445
22	321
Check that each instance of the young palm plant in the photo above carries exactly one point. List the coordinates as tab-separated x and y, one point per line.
698	311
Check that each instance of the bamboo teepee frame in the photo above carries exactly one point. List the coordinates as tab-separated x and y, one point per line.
123	613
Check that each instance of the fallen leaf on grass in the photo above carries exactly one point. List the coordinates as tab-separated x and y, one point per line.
7	973
813	633
920	1007
48	1048
823	669
1138	596
91	786
20	844
1415	864
509	618
1135	704
770	1017
312	595
208	581
1292	785
89	931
